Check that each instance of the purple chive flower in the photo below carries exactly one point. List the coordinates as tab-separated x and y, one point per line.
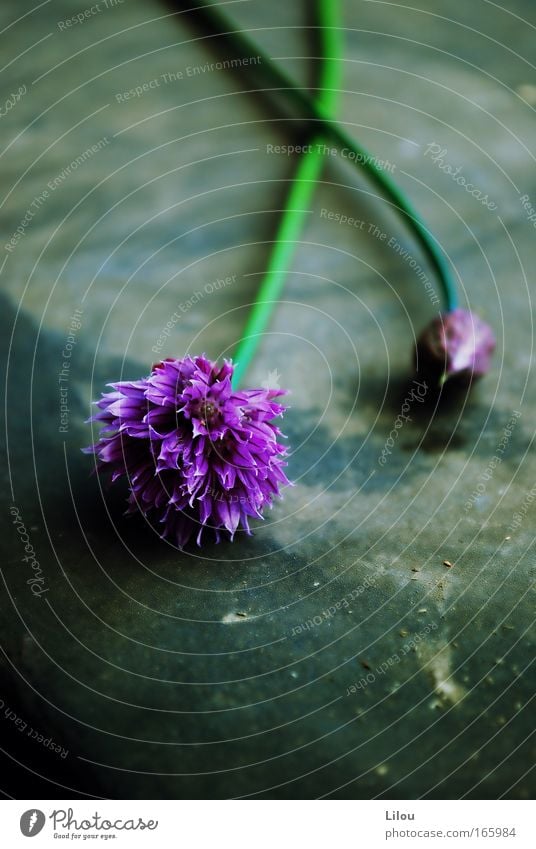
197	455
457	344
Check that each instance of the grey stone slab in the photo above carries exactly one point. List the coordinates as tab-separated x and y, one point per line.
363	666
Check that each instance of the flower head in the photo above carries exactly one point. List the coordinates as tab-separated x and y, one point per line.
197	455
457	344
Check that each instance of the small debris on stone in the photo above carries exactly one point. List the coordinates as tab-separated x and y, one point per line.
364	664
229	618
448	564
403	632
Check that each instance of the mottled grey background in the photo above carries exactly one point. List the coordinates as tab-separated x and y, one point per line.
137	660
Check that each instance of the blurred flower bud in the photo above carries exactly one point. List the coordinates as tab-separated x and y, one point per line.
456	345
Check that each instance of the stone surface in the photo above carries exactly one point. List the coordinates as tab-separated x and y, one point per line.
137	660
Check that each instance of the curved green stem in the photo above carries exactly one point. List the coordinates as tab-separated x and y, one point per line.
273	78
299	197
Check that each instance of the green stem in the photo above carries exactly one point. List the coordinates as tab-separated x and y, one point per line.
273	78
299	196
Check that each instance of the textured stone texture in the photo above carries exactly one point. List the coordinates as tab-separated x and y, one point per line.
136	660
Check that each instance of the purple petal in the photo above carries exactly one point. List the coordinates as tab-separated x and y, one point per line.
199	458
